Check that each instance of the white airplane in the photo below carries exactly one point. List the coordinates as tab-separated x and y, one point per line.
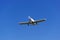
32	21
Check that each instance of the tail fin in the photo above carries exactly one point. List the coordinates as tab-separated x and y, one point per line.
29	17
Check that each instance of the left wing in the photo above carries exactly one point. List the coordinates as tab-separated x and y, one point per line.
24	23
39	21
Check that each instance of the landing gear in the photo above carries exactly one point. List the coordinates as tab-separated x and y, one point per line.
36	22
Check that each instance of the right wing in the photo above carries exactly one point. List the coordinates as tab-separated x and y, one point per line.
39	21
23	22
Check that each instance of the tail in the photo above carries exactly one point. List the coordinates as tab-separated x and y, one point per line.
29	17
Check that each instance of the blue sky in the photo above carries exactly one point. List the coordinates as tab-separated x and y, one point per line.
14	11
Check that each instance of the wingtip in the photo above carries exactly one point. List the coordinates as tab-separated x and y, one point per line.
19	22
44	18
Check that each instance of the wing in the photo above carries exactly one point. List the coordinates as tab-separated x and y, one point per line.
39	21
23	22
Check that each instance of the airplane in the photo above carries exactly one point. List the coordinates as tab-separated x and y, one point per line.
32	21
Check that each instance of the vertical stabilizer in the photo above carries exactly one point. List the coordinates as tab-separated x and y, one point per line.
31	19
